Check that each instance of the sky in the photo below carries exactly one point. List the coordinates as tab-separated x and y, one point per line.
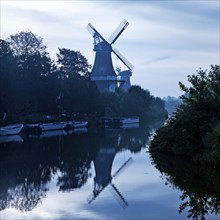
166	40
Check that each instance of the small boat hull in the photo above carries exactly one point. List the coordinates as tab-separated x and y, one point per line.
11	129
77	124
53	126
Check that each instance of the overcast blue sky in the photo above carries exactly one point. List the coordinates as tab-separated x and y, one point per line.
165	40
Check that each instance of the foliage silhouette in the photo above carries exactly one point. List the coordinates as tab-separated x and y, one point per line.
188	131
32	84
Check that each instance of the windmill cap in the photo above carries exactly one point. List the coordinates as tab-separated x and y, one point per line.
103	47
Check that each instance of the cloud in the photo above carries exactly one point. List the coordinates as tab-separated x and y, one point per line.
158	59
163	36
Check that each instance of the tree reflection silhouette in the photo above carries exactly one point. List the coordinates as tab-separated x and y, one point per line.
199	185
22	179
27	168
75	163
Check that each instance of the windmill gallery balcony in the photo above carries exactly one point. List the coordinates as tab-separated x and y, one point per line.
109	78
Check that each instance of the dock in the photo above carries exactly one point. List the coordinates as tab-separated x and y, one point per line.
119	121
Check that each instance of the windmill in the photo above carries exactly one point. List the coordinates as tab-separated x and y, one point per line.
103	72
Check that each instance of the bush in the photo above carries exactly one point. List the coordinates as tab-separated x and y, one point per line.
193	130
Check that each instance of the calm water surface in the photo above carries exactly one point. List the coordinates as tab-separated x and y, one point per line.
104	174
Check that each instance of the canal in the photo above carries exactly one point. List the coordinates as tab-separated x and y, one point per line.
101	174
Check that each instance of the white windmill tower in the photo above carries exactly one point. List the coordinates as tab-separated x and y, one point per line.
103	72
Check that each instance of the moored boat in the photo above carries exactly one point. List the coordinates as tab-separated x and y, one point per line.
53	126
11	129
119	121
77	124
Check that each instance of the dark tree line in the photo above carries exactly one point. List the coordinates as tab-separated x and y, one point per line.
32	83
135	102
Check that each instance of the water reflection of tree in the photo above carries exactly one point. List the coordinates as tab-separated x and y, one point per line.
75	163
133	139
27	168
24	196
199	185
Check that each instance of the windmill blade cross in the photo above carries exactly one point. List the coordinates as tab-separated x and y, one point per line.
121	27
123	59
93	31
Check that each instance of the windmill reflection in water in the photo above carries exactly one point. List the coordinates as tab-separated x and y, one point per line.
103	166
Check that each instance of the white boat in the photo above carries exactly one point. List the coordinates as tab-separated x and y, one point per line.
77	124
131	120
53	126
11	129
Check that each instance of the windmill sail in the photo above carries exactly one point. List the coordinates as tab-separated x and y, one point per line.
121	27
93	31
123	59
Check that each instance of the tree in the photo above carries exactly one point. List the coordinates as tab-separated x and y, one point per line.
32	57
25	44
73	63
185	133
33	65
79	93
139	102
8	77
